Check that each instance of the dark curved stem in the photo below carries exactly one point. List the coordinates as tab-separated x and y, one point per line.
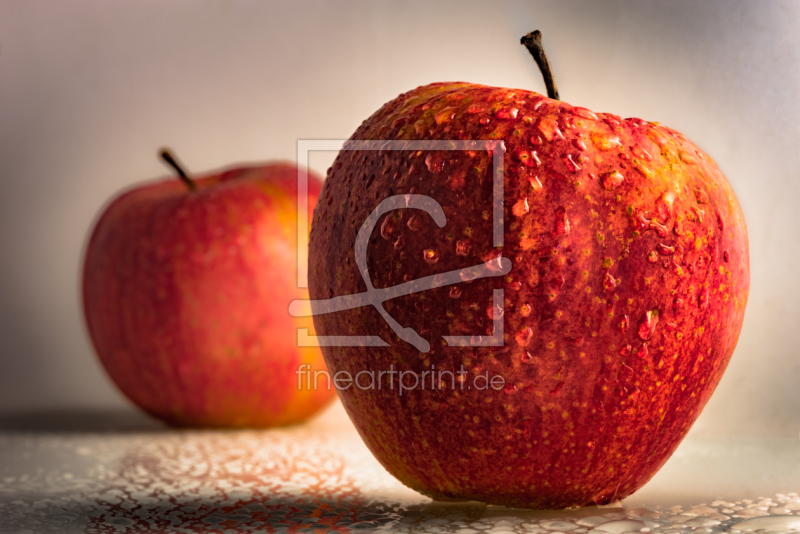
167	156
533	42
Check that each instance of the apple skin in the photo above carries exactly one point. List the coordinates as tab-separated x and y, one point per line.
186	297
622	309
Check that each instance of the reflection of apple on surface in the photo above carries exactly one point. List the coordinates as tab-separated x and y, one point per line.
622	309
186	287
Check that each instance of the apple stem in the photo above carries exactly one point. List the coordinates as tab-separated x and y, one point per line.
167	156
533	42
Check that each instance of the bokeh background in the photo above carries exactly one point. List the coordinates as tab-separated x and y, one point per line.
89	90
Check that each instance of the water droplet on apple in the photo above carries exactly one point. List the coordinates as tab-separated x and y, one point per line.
400	242
624	323
455	292
494	311
462	247
664	205
699	214
642	222
528	158
665	250
509	389
467	276
643	352
726	256
584	113
521	207
570	163
579	144
435	162
660	229
658	138
397	123
548	126
641	153
562	222
643	169
527	358
387	227
625	351
523	337
493	260
688	158
652	257
505	114
605	142
609	283
525	310
444	115
414	223
431	255
612	180
648	324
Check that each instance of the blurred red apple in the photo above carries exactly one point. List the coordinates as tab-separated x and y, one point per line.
186	288
622	308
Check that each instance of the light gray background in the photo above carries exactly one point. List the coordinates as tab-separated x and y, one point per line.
90	89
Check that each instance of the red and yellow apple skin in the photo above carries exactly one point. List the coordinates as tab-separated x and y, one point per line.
624	303
186	297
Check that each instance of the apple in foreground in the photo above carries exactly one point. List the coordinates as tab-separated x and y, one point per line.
621	310
186	286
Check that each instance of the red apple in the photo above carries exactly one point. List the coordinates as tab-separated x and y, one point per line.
622	308
186	288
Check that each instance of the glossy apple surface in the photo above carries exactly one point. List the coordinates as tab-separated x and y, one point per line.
186	297
622	309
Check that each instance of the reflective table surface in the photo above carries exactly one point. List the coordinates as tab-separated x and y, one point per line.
119	471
